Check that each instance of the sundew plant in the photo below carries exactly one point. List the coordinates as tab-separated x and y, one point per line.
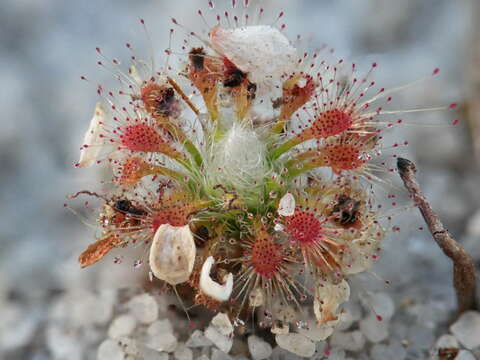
245	168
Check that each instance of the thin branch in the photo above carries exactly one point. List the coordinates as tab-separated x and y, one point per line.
463	265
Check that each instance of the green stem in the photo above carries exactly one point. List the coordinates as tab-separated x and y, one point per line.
192	149
287	145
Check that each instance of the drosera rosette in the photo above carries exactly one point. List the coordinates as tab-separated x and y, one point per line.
216	171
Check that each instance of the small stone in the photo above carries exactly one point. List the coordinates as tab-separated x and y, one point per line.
203	357
220	355
473	225
336	354
351	341
258	348
144	308
157	356
160	327
375	330
222	323
17	326
63	344
122	325
161	337
352	312
221	341
296	344
381	303
103	310
182	352
420	337
467	329
82	308
446	342
391	352
110	350
281	354
129	346
465	355
317	332
198	339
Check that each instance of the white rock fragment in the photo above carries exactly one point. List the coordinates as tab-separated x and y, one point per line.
467	329
158	356
144	308
161	337
63	344
211	288
203	357
373	329
104	309
286	206
82	308
352	313
446	342
182	352
220	355
351	341
391	352
129	346
17	326
259	349
122	325
221	341
336	354
261	51
317	332
110	350
420	337
465	355
172	253
222	323
381	303
198	339
296	344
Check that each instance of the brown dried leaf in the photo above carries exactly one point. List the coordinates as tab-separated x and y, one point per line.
97	250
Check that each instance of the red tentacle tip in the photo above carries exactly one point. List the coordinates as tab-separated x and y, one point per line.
436	71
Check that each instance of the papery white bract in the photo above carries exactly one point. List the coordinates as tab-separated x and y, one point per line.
211	288
286	207
172	254
91	149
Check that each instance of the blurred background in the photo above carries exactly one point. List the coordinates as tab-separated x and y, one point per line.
45	46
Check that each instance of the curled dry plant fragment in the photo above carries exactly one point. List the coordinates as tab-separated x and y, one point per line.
464	277
328	298
172	254
210	287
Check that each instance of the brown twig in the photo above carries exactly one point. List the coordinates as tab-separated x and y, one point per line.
463	265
